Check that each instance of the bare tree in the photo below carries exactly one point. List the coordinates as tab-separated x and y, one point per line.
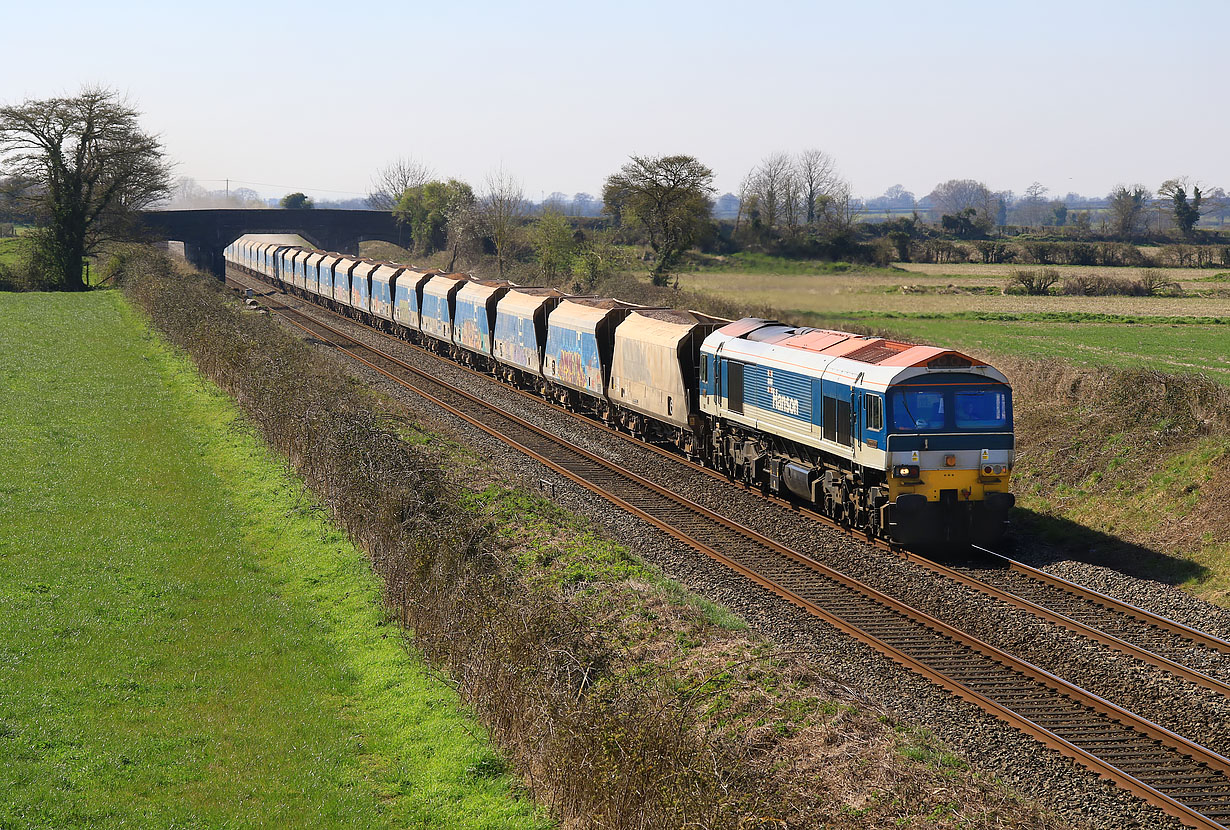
394	179
957	195
583	204
502	210
817	174
92	170
834	208
771	186
792	191
1033	209
748	202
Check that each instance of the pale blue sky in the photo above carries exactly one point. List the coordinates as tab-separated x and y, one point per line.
313	96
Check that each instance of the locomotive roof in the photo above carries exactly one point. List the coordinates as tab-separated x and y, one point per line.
842	355
877	351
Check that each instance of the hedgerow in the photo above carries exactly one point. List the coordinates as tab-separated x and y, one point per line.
620	707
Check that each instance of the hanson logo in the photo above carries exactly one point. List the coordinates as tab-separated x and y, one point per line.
782	403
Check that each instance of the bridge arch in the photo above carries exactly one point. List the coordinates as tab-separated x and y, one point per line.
206	233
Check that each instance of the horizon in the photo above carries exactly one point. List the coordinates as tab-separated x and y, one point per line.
1078	97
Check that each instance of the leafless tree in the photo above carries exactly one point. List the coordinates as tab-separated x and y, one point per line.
748	201
502	210
92	168
817	174
394	179
833	207
771	187
1033	209
792	193
955	195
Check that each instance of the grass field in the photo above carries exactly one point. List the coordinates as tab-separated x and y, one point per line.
183	641
11	250
1186	333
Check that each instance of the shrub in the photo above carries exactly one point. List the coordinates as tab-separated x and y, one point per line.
1033	282
528	662
1152	283
993	251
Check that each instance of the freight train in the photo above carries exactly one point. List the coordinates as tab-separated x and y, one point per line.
912	444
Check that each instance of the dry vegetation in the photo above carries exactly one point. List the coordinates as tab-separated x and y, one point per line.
622	702
1138	461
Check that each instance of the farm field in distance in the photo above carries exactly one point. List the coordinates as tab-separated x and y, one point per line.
183	640
969	311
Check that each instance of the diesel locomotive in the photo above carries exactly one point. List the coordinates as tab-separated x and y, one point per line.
909	443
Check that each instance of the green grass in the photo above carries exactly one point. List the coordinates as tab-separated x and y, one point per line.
1172	344
12	249
562	549
184	642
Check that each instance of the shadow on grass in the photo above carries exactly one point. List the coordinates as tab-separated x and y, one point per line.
1052	539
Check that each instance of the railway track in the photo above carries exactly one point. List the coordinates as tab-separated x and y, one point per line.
1162	643
1182	778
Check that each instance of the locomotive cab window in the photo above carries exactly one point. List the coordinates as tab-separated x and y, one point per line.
704	370
919	410
873	413
980	409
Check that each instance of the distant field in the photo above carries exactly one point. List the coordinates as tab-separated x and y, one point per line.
1173	347
905	292
184	642
1187	277
11	250
1157	332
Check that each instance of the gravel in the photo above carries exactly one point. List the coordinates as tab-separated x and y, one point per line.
1032	769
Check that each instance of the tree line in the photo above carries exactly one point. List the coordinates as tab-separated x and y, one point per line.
80	168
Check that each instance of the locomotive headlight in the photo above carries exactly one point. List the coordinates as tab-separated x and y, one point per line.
950	461
906	471
987	470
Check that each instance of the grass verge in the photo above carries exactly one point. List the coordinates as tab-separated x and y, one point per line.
622	704
184	640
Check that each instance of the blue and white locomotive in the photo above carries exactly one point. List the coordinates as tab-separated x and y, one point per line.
913	443
908	443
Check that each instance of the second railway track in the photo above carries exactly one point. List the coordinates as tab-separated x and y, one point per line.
1181	777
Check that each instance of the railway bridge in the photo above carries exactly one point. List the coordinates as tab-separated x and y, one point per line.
206	233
